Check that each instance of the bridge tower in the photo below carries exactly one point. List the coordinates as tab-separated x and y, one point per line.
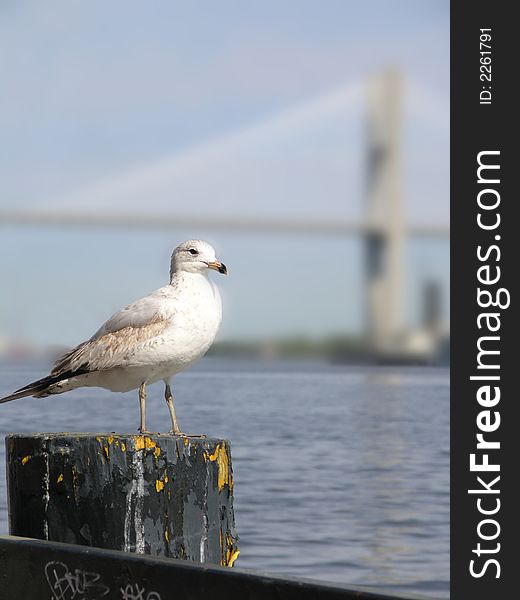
384	239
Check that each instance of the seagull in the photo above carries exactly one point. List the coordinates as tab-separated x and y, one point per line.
151	339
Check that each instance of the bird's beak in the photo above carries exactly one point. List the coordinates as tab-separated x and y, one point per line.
218	266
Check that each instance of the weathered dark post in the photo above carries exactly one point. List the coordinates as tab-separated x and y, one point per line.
162	495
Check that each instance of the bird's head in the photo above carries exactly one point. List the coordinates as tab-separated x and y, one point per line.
195	256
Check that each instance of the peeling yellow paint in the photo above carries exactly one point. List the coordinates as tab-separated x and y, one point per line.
26	459
167	535
157	451
160	483
139	442
142	441
110	439
224	476
232	555
123	446
149	443
98	439
186	441
105	448
232	551
60	478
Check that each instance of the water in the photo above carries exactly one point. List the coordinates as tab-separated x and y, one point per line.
341	473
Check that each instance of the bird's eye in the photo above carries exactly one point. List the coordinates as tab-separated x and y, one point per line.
193	251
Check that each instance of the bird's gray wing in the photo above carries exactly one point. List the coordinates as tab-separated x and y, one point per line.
135	315
119	340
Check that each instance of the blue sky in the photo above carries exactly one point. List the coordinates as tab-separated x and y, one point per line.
231	107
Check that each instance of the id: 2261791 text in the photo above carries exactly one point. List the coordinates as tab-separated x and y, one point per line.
485	66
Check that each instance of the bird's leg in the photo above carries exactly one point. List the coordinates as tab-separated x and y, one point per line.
142	402
169	401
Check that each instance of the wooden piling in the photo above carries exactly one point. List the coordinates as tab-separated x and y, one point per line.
155	494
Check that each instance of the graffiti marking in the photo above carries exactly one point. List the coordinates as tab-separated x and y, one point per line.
77	585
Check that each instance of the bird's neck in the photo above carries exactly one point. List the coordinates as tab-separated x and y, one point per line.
185	276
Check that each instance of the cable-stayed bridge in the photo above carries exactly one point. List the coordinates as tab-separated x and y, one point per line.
383	227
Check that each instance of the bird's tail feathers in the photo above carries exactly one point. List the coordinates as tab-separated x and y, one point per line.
40	388
36	388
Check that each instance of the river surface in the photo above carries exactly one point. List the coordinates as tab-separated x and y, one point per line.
341	473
